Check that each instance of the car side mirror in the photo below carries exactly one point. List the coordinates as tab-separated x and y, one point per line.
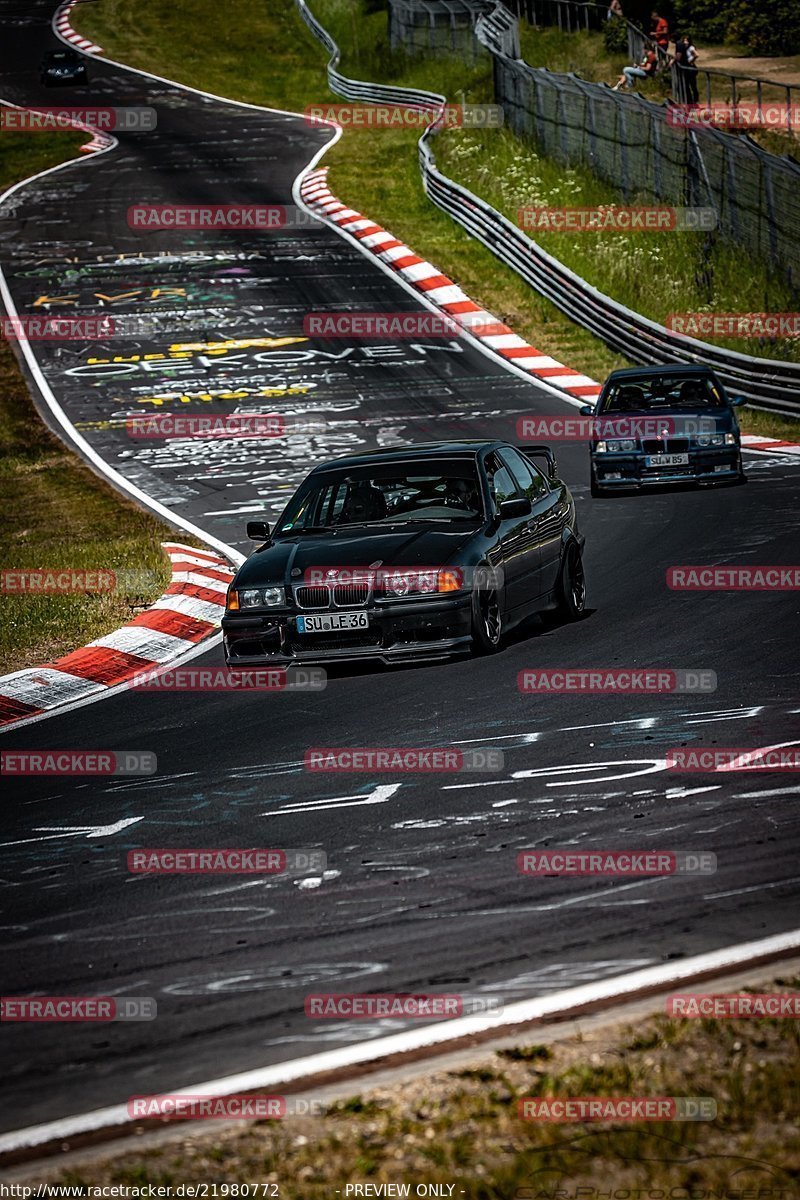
520	507
586	410
258	531
738	401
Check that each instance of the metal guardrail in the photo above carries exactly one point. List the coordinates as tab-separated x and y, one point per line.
767	384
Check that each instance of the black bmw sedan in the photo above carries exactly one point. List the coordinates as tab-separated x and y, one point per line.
63	68
661	425
416	552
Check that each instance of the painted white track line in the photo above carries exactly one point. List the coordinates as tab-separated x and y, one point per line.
525	1011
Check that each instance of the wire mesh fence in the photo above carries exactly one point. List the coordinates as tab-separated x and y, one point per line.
638	147
436	27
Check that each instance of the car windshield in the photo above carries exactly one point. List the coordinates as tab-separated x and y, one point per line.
654	392
398	494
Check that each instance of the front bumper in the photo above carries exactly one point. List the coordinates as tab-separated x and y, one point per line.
398	631
706	465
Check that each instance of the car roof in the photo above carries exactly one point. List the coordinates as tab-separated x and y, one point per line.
666	369
466	449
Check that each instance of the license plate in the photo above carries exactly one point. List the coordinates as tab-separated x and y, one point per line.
326	622
667	460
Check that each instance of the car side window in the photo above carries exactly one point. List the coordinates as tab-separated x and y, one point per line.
529	478
502	484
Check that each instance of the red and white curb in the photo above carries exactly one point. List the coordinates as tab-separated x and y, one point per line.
755	441
188	612
63	28
445	294
449	297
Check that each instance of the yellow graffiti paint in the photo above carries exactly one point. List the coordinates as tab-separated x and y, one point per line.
235	344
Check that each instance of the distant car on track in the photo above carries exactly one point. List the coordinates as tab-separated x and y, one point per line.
416	552
61	68
660	425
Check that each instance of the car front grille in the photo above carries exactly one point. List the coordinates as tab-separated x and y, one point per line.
317	596
668	446
345	594
347	640
340	595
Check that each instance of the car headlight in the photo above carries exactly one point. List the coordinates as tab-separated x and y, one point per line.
714	439
421	583
730	439
618	446
267	597
408	583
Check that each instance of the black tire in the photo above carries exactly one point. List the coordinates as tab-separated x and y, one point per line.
596	490
571	585
487	612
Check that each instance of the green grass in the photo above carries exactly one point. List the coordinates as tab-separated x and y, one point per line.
462	1127
56	512
267	56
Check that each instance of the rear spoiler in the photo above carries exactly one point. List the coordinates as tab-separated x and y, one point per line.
541	452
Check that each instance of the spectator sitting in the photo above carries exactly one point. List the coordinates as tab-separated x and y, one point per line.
645	70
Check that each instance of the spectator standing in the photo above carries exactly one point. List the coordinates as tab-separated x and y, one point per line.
659	31
689	69
614	10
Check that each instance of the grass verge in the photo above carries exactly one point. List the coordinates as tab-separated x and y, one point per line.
462	1127
267	56
56	513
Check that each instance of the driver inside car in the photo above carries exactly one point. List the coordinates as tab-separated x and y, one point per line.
363	503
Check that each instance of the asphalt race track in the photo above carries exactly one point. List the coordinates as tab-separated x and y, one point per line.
421	891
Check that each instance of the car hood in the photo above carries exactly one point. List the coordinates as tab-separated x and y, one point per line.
288	559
